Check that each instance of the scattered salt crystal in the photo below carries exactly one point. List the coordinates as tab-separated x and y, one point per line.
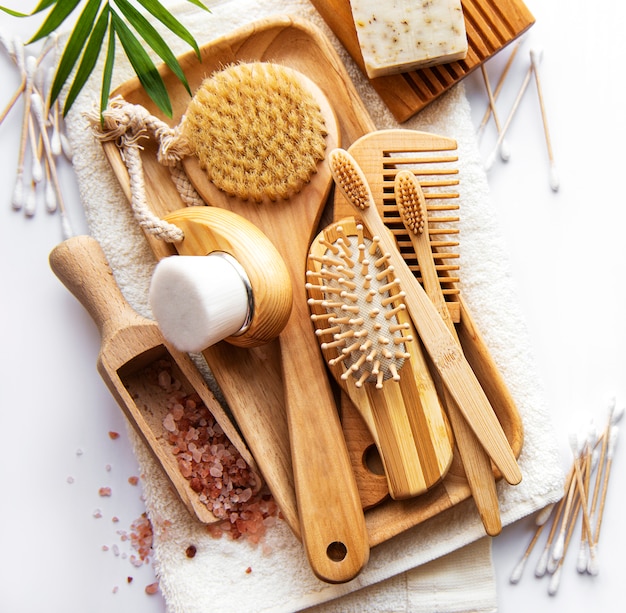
104	491
115	589
169	424
79	452
133	480
116	550
70	479
248	570
115	519
108	468
114	435
97	513
105	548
153	588
165	379
129	579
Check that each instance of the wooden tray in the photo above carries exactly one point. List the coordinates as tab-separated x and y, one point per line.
300	45
490	26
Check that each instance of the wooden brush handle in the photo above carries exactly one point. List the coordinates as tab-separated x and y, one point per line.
332	523
80	264
476	463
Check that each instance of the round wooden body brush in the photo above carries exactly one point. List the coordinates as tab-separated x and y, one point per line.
256	136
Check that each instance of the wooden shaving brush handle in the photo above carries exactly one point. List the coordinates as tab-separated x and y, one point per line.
241	293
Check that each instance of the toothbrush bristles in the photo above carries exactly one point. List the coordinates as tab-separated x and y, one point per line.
411	201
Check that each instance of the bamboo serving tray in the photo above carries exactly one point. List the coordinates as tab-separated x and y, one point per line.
490	24
298	44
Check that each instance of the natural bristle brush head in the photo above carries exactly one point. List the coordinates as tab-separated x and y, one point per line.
350	178
411	202
356	305
256	131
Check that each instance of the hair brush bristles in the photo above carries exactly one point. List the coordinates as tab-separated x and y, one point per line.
350	178
410	201
256	130
357	305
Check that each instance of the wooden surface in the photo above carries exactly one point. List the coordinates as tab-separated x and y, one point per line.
490	26
131	345
250	378
476	464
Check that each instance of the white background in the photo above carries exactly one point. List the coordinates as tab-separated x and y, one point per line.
567	256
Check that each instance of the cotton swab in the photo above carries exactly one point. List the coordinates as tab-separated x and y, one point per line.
583	495
505	152
540	521
593	569
38	111
492	157
499	85
554	177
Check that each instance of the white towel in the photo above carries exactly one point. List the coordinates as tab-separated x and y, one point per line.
441	565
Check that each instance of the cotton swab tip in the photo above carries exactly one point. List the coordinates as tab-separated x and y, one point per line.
555	182
505	151
559	546
555	582
516	575
542	564
17	198
536	55
617	415
593	567
582	561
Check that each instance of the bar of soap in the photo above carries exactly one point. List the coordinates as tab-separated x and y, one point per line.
403	35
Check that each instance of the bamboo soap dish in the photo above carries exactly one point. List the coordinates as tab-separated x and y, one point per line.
490	25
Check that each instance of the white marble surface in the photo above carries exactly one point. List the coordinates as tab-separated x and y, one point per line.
567	259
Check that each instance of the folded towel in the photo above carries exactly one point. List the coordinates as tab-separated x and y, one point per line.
443	564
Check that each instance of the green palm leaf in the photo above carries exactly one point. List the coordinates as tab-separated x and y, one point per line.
145	69
57	16
74	47
90	57
145	29
86	39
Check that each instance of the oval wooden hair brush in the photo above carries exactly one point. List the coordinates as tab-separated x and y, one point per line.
256	137
447	357
372	350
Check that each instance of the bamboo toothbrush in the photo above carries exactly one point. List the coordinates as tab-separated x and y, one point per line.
412	207
444	351
369	343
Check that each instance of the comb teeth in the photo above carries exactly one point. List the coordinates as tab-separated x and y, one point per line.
410	200
358	317
349	178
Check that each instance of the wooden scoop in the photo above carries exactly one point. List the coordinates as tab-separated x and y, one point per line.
131	344
332	522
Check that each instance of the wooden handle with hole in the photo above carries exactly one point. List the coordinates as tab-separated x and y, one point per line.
332	523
